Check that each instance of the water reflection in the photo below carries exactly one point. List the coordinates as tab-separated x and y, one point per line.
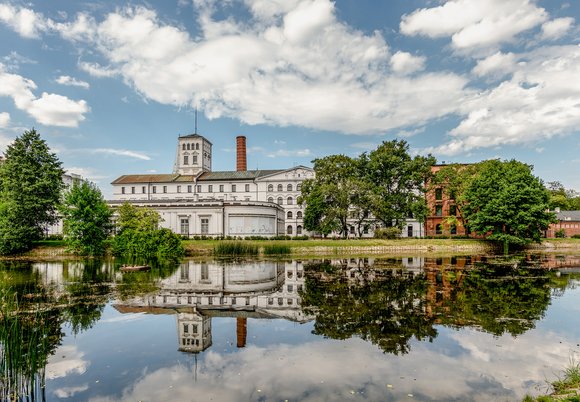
479	315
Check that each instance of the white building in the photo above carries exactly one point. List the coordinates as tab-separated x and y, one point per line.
194	200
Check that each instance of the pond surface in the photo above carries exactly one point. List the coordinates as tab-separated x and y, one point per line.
374	329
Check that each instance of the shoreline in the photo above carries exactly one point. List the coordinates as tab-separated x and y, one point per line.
322	247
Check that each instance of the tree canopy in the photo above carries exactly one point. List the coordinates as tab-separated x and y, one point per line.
563	198
30	187
86	219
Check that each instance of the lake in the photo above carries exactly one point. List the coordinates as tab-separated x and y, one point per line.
465	328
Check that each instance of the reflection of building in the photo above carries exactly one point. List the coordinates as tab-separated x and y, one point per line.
443	217
198	291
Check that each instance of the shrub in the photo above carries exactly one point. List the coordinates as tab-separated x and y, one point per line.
560	234
160	243
576	236
388	233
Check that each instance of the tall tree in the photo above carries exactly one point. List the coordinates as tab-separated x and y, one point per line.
86	219
560	197
30	186
399	182
507	203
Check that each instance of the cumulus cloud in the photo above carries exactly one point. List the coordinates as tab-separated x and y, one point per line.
49	109
96	70
497	65
475	23
4	119
73	82
556	28
406	63
24	21
540	101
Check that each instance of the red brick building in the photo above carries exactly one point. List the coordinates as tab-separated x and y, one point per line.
568	222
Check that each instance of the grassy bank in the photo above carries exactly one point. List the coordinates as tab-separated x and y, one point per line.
566	388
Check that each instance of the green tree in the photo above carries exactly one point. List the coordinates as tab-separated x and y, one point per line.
398	182
505	202
86	219
30	187
140	219
560	197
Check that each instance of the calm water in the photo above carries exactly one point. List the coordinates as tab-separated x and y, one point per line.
445	329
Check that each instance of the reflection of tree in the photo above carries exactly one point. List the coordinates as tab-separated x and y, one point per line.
385	308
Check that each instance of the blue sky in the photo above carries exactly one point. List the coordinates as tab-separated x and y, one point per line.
111	86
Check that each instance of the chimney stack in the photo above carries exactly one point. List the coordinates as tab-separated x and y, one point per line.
241	165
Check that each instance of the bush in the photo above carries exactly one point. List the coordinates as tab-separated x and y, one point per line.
576	236
560	234
160	243
388	233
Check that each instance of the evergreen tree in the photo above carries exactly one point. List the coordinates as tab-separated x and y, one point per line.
30	186
86	219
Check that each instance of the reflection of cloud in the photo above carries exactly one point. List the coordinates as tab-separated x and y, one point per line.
67	392
67	360
476	367
124	318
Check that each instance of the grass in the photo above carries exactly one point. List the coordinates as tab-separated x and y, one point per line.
276	249
566	388
234	248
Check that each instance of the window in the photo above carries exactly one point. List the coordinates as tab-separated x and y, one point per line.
452	210
179	189
247	188
289	201
185	328
438	194
233	188
185	226
221	188
143	189
194	159
289	187
165	189
204	225
210	188
188	146
186	159
298	187
299	215
270	187
298	230
438	229
132	190
453	229
199	188
183	147
438	210
194	328
279	200
270	199
280	188
289	215
289	230
154	189
197	146
122	190
189	188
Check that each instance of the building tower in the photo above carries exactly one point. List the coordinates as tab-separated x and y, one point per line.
193	155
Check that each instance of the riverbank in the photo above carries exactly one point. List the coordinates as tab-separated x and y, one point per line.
56	250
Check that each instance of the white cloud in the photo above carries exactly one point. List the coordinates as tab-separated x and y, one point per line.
122	152
301	153
97	70
497	65
4	119
475	23
67	392
87	173
540	101
70	81
49	109
556	28
67	360
403	62
24	20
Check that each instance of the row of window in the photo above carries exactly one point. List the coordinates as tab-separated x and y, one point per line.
439	210
280	200
193	159
281	187
290	230
199	189
184	226
190	147
289	215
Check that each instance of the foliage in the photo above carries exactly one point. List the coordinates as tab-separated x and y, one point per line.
86	219
454	180
560	197
158	243
276	249
30	186
388	233
561	234
505	202
235	248
140	219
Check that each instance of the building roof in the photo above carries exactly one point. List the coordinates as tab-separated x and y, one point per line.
568	215
195	135
205	176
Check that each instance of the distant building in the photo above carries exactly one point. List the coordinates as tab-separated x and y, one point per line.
68	179
568	224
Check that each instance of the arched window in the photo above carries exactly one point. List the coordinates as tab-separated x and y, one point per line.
299	215
270	187
183	147
197	146
289	230
298	230
279	200
280	188
289	215
298	187
289	201
289	187
188	147
270	199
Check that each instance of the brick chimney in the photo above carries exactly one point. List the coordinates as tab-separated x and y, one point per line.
241	165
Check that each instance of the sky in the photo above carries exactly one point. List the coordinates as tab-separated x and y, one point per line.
111	85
